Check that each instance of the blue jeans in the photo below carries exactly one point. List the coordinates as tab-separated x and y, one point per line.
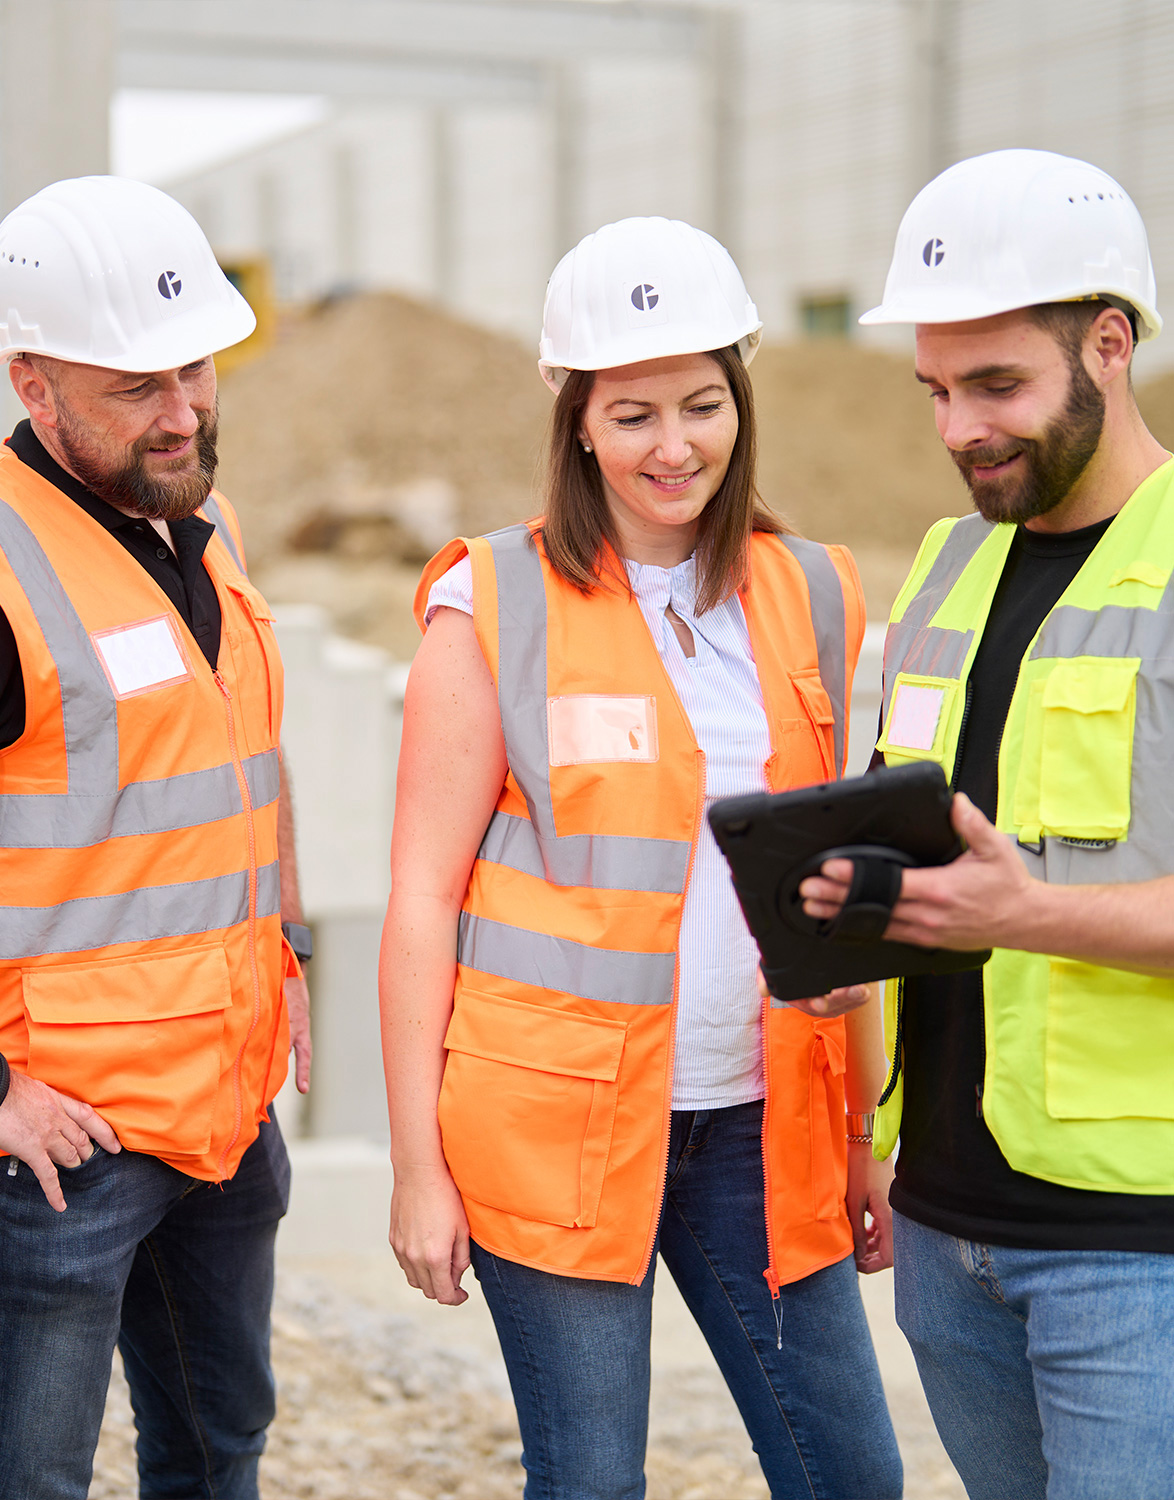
1048	1372
179	1273
577	1351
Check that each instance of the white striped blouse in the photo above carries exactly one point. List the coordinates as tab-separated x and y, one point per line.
718	1059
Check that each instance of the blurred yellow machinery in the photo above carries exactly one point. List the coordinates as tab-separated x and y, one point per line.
253	279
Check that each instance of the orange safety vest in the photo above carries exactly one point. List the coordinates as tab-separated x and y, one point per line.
554	1108
141	955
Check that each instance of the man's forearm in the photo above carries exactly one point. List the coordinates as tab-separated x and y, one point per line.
1117	926
291	900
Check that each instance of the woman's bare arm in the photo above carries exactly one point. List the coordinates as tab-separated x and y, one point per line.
451	769
868	1179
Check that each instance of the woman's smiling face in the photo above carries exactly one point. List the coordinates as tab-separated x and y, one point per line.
663	432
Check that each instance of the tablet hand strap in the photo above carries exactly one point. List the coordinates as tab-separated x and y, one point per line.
876	884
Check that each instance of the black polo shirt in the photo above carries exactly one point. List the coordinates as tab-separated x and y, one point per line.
180	573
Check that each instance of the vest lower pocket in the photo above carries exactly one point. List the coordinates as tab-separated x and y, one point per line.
1110	1037
138	1038
527	1107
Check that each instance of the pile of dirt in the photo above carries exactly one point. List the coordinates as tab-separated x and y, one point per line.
377	427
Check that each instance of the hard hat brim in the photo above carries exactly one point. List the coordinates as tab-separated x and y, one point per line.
748	343
951	305
187	338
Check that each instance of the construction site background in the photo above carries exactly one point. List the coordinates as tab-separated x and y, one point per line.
375	428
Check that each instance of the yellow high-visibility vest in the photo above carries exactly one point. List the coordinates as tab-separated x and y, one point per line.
1079	1080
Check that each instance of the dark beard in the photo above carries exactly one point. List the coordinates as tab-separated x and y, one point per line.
1051	464
130	487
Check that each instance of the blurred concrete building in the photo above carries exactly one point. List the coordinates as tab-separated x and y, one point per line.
468	143
471	142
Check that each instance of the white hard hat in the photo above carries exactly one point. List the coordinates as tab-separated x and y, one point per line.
1016	229
643	289
106	271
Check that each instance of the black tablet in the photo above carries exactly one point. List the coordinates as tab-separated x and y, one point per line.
893	818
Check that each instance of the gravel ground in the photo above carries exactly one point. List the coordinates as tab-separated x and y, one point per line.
368	1411
372	1407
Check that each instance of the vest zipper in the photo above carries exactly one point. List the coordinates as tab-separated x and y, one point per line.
771	1273
961	735
247	804
698	814
895	1065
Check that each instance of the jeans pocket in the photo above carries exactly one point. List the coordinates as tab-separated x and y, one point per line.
92	1160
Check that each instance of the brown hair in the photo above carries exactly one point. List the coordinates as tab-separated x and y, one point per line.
1068	322
577	528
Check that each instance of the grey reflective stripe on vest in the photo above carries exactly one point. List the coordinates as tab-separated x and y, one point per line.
597	861
88	707
94	807
143	915
554	963
223	531
70	821
521	668
1112	631
915	646
828	619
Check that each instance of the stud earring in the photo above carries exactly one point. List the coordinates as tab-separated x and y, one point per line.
587	448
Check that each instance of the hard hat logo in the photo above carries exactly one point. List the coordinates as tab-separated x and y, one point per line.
644	297
933	252
169	285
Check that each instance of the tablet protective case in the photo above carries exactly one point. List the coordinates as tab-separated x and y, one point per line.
895	817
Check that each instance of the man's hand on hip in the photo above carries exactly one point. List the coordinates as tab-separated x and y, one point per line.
42	1127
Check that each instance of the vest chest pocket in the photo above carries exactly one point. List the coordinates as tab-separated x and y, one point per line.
527	1107
808	744
1077	757
256	666
139	1039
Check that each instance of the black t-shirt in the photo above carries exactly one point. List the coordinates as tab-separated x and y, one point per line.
180	574
950	1173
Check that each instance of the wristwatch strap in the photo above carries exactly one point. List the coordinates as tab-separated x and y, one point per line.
300	939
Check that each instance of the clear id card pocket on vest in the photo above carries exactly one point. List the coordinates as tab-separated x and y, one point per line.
585	728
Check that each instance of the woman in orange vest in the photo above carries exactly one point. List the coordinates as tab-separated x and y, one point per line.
581	1075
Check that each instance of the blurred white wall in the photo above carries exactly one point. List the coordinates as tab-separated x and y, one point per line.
340	739
466	144
467	158
56	76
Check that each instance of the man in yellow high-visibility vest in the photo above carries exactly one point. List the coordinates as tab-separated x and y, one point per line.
1031	654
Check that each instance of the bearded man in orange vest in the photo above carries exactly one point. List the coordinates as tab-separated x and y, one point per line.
149	989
